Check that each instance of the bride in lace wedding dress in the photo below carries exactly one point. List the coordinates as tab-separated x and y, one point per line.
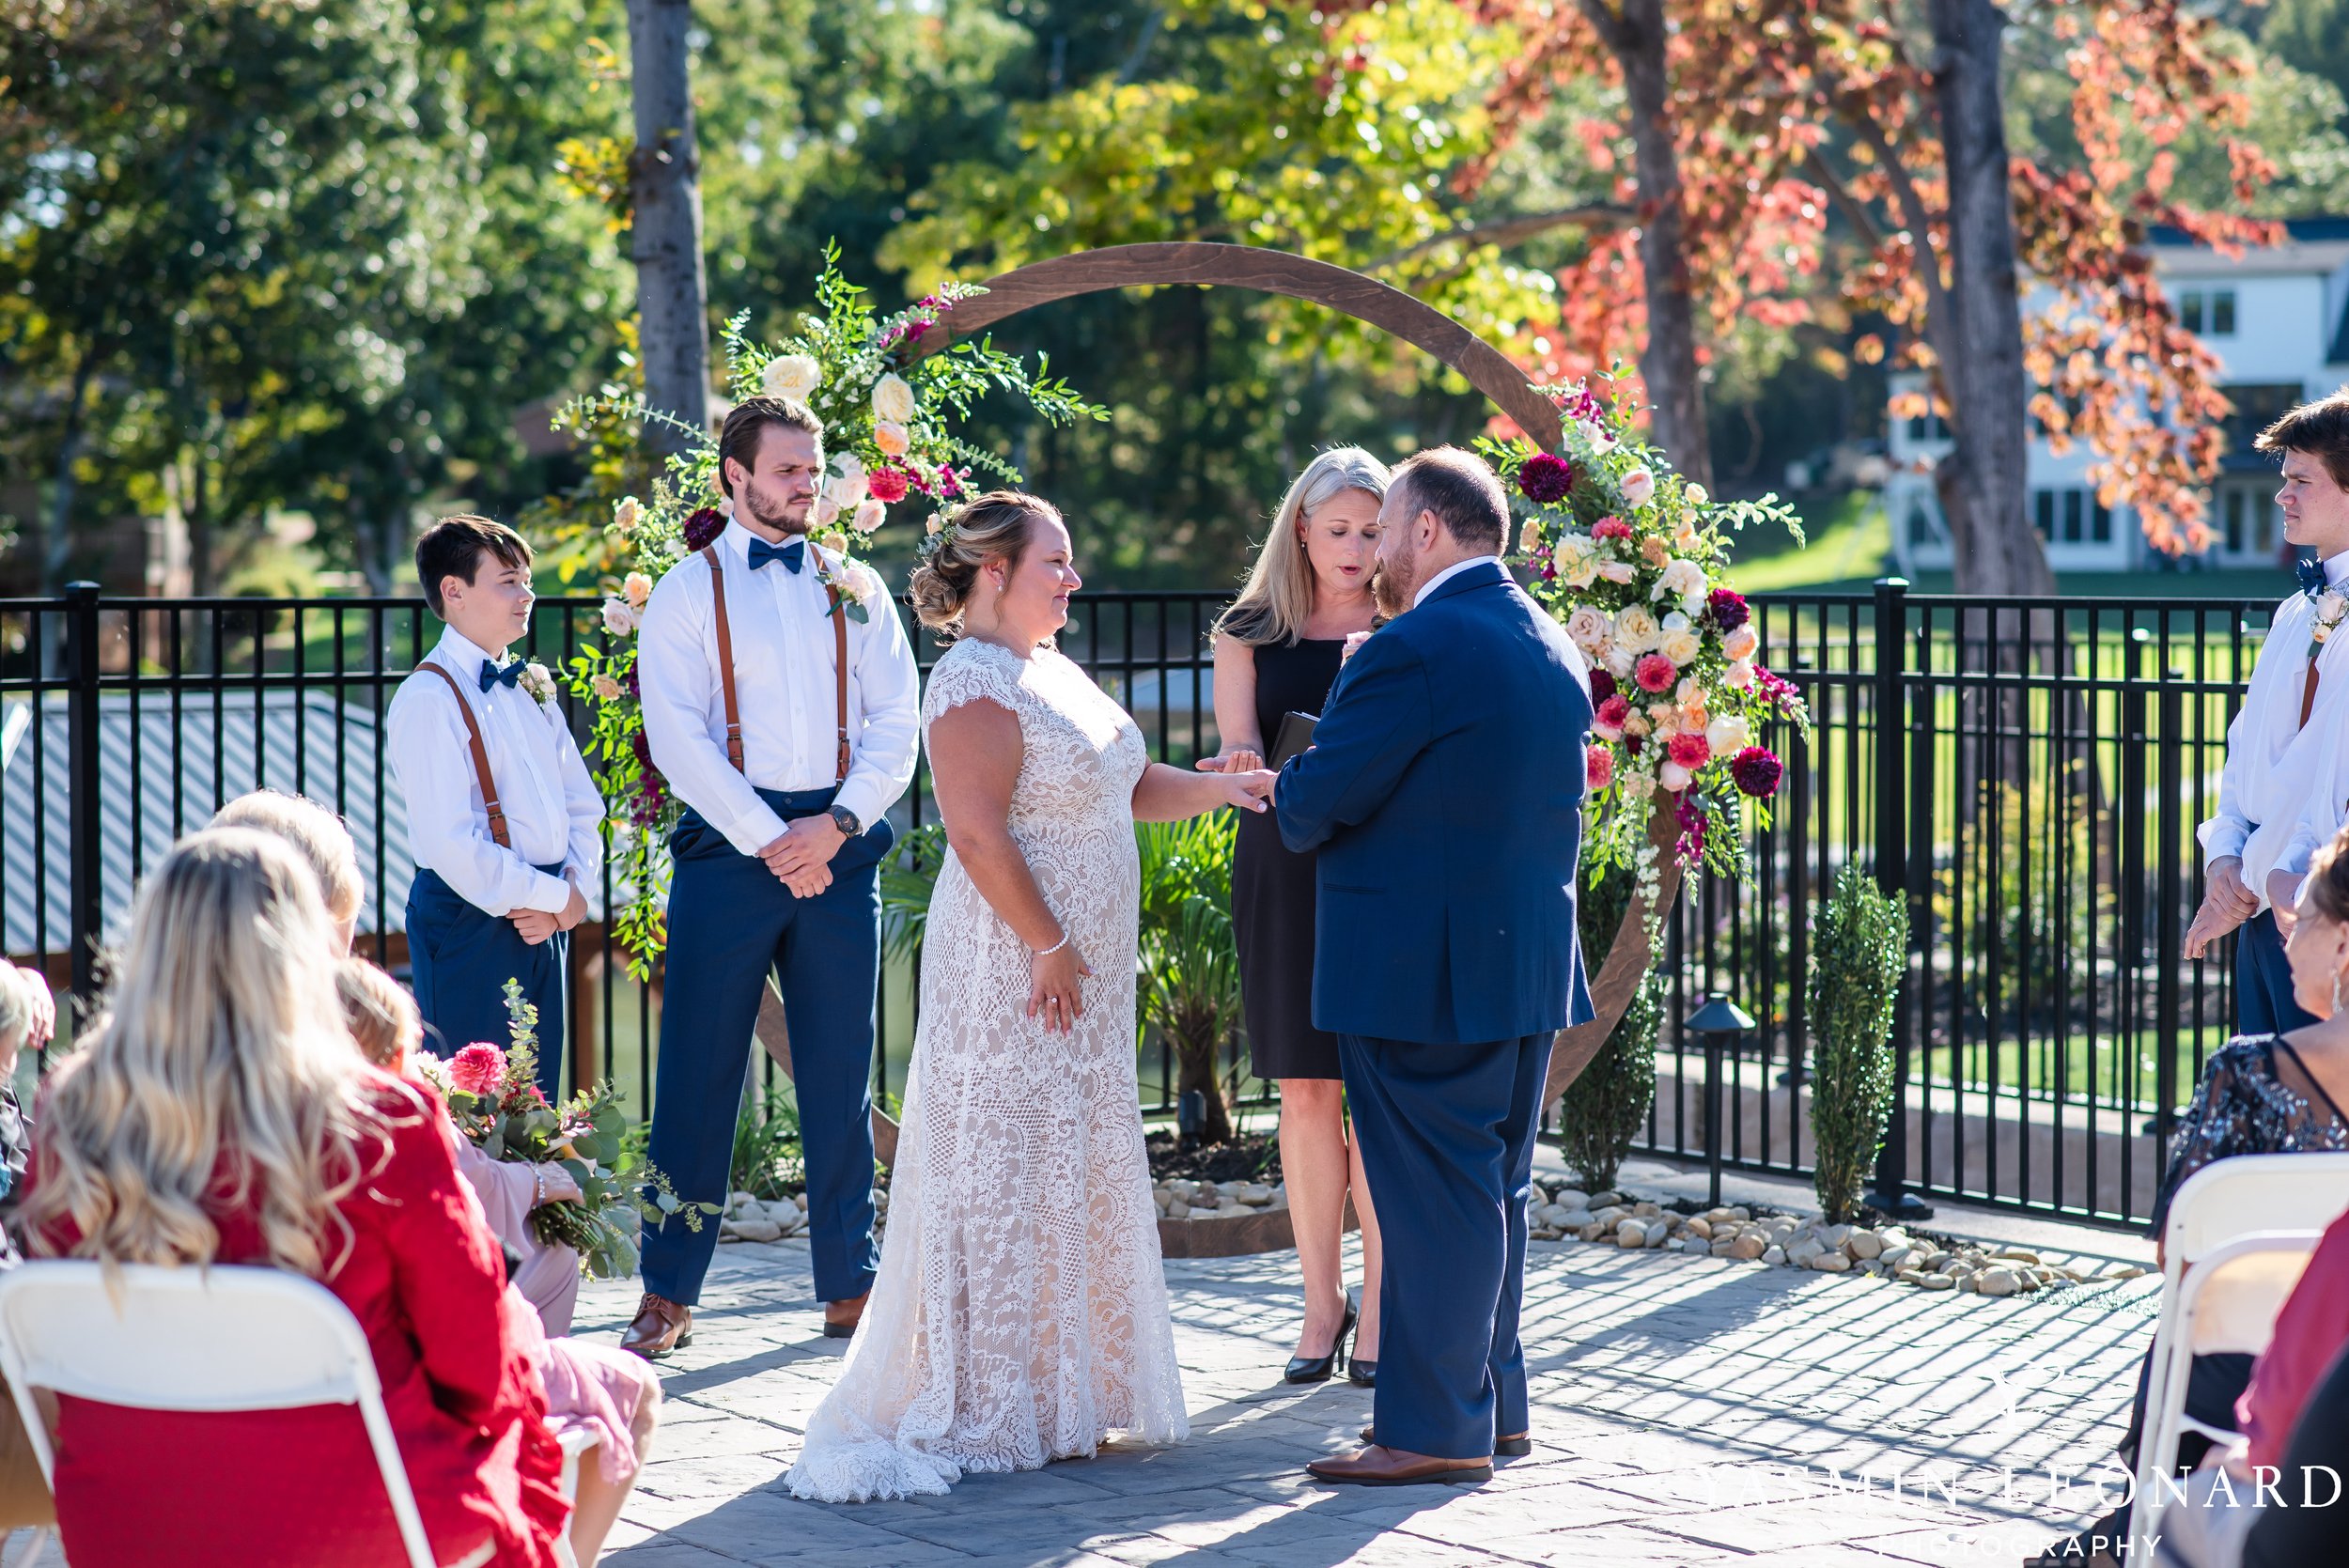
1021	1313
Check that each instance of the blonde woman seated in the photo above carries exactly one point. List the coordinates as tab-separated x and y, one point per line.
218	1115
318	836
1277	651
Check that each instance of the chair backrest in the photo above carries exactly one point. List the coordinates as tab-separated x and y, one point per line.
218	1339
2229	1198
2236	1292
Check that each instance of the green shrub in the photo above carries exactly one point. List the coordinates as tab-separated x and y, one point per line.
1190	982
767	1161
1601	1113
1859	950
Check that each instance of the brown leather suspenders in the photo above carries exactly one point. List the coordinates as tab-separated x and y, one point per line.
725	665
481	756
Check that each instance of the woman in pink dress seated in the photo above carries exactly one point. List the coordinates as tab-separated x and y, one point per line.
219	1114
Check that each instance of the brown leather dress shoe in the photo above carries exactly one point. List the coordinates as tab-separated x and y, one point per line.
841	1317
1385	1467
1503	1448
660	1326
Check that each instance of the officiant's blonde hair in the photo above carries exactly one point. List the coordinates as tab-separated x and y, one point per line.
222	1069
1278	599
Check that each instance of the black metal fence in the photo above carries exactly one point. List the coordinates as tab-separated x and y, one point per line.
2030	773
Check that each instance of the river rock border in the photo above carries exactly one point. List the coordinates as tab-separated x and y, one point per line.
1789	1241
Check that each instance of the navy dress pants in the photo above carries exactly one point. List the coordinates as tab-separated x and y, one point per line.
1447	1138
459	958
731	924
2263	980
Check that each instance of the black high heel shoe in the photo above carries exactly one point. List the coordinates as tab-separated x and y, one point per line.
1316	1369
1362	1374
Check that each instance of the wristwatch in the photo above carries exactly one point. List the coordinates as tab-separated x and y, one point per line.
847	821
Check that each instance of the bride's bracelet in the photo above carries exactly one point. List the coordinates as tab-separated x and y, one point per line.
1047	951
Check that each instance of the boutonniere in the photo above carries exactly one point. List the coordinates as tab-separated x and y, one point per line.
847	585
539	681
2330	606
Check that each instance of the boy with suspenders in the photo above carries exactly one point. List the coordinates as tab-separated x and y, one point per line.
788	733
503	820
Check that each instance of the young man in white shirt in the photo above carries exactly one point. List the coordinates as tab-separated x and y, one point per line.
2281	792
788	723
504	821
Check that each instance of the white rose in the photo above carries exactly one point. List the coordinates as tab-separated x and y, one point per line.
1576	566
870	514
1689	693
824	513
792	376
1696	494
627	514
892	399
1728	735
1617	571
537	681
836	542
892	439
847	465
620	617
1594	436
1682	578
1635	629
1741	643
1673	776
636	589
1740	674
1588	626
1675	621
1639	486
843	491
1618	661
1680	646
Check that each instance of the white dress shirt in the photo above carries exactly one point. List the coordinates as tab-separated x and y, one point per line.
2277	768
552	808
1452	571
783	667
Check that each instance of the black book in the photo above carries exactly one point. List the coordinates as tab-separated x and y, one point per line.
1296	736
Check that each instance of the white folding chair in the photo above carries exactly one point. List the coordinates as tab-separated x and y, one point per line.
576	1444
188	1339
2238	1236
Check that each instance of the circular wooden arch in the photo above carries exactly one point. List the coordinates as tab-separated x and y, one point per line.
1419	323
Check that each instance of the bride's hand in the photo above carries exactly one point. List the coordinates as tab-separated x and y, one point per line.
1055	989
1249	791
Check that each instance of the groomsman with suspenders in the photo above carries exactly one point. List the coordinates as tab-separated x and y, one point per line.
503	818
788	729
2281	795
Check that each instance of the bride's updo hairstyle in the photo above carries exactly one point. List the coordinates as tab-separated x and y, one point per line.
995	526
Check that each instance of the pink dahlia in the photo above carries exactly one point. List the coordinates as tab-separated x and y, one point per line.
1728	609
1655	673
1610	528
1757	772
1608	720
704	527
1545	478
1599	767
479	1070
1689	750
888	485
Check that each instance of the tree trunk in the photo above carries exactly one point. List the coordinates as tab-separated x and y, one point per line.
1668	361
1983	481
1195	1068
664	193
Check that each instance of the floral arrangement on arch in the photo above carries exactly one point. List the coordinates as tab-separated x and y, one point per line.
1632	558
891	449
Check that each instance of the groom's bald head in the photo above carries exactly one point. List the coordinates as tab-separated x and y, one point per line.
1461	491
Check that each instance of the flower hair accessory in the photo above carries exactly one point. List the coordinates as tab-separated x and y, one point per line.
940	532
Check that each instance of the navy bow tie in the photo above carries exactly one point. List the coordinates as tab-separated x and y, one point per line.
2312	575
792	556
493	675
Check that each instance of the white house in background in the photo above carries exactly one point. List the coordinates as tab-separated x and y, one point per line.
2279	321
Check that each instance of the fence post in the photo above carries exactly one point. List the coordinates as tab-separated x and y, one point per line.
86	825
2169	940
1892	1196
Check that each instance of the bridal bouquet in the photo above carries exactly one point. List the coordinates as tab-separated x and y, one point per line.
1632	558
888	432
493	1098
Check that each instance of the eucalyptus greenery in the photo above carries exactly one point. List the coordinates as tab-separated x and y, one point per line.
1859	950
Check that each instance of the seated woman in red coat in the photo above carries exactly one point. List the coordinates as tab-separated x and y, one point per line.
220	1114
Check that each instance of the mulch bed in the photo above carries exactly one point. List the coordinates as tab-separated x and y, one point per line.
1255	1157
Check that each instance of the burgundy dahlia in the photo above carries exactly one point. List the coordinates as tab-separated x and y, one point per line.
641	745
1602	686
1728	608
704	527
1545	478
1757	772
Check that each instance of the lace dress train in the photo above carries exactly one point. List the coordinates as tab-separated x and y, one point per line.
1020	1314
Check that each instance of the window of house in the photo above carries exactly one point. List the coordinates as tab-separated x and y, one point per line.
2211	310
1920	531
2257	405
2231	520
1928	425
2043	508
2099	520
2222	313
2190	310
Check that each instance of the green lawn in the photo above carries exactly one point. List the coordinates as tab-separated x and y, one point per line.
1848	542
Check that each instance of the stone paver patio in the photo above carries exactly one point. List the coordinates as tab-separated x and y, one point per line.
1687	1410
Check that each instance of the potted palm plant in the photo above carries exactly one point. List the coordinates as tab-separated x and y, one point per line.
1190	980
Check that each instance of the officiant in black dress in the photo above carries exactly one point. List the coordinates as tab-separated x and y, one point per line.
1277	651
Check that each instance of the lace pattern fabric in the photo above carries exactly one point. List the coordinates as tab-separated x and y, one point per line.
1020	1314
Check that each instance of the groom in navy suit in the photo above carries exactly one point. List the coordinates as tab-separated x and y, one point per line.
1444	792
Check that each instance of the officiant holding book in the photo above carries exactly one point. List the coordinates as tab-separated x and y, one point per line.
1277	652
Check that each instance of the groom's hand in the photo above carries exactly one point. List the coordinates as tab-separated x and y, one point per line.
808	845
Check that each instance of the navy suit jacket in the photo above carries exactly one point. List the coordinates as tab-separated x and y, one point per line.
1444	793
